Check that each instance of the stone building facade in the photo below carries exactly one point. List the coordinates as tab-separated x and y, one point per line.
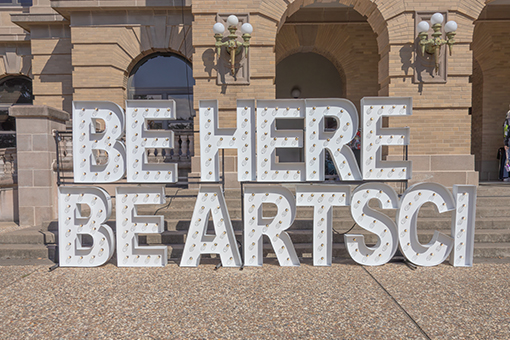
87	50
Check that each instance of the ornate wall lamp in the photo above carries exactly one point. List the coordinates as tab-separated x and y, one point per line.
433	45
234	47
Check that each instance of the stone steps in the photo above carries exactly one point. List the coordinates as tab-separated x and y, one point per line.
488	243
186	213
30	235
498	223
24	251
492	235
304	250
304	235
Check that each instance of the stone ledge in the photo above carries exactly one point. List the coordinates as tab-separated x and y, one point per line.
446	178
25	20
439	162
64	7
43	111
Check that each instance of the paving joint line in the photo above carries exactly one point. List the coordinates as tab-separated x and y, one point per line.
398	304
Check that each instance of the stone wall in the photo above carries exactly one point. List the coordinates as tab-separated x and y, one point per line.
108	43
85	51
440	125
352	48
14	44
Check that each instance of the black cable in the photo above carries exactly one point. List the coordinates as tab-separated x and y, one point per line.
166	206
336	232
240	247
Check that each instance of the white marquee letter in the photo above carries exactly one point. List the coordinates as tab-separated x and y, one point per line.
130	224
255	225
375	222
139	138
212	139
318	140
87	142
210	200
72	226
323	198
440	246
269	139
463	225
373	137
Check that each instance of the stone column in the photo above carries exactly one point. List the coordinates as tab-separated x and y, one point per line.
36	152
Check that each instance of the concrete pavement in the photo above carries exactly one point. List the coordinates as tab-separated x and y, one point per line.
344	301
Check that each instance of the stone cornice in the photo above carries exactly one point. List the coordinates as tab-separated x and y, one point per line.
65	7
25	20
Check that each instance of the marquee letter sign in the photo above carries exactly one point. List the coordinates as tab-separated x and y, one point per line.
139	113
210	202
318	140
374	136
323	198
130	224
101	156
256	225
88	142
73	225
375	222
213	139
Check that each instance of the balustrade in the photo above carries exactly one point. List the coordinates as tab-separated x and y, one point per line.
8	167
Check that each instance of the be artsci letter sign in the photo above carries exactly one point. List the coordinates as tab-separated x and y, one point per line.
256	140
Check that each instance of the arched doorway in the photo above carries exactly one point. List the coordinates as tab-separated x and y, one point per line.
330	35
490	86
165	75
319	79
325	50
305	75
14	90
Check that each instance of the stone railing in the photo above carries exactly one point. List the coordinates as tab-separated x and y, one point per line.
181	153
8	167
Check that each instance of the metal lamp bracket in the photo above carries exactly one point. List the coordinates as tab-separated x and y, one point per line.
425	70
224	58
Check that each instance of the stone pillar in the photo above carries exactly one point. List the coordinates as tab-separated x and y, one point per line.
36	152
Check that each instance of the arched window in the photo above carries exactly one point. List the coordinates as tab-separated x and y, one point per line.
164	76
13	90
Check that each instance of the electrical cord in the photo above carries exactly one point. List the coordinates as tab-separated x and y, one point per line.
166	206
336	232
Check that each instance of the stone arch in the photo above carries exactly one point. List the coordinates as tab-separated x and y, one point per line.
326	54
366	8
322	78
134	62
163	75
350	45
118	45
490	86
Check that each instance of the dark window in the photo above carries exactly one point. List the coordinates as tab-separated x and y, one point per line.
15	2
164	76
13	90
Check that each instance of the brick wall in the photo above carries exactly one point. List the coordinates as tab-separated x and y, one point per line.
108	44
352	48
